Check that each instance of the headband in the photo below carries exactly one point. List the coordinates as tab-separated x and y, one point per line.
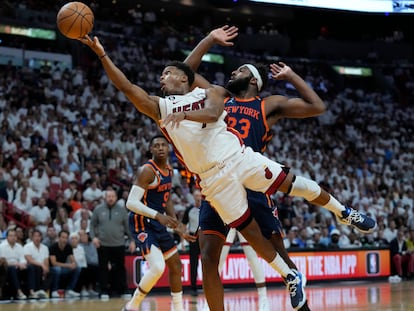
255	74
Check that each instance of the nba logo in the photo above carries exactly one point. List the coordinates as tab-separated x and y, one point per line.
372	263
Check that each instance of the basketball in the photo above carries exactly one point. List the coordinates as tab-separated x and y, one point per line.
75	20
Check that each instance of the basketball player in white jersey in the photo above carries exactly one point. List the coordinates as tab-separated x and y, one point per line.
194	122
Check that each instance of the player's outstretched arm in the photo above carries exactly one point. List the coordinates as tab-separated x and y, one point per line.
308	105
221	36
142	101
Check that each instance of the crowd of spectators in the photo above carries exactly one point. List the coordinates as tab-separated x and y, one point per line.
67	135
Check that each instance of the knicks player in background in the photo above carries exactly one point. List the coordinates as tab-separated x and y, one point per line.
253	117
149	226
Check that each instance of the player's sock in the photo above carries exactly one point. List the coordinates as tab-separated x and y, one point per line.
280	266
262	291
177	300
136	300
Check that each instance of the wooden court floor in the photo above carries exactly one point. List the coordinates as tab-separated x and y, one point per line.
349	296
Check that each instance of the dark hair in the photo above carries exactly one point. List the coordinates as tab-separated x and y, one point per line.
63	231
155	137
148	154
185	68
37	231
264	74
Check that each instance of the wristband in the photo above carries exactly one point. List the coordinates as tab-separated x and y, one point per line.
102	56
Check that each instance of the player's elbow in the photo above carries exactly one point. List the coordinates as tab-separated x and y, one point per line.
212	115
320	107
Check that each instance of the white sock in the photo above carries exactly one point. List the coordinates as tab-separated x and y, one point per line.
262	292
334	206
136	299
177	299
280	266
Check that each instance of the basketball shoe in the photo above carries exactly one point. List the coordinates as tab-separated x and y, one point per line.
295	283
358	220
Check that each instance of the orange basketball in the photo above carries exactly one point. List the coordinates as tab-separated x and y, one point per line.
74	20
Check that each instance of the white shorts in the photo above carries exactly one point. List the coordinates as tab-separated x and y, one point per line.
224	185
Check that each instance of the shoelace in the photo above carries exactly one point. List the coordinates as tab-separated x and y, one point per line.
355	217
293	286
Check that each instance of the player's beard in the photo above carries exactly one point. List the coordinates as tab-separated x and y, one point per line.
238	86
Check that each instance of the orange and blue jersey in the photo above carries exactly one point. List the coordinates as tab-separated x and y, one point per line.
147	231
248	117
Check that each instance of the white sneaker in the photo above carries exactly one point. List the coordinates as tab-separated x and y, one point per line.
21	296
71	294
105	297
84	293
54	294
92	293
41	294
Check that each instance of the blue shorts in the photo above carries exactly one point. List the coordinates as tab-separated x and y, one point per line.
261	209
146	236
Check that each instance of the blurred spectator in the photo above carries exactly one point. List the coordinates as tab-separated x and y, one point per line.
9	147
76	201
92	194
82	219
316	241
8	192
92	268
41	217
353	241
108	227
22	202
20	236
25	185
26	163
68	181
39	181
51	236
391	231
63	221
80	258
63	264
380	241
402	261
38	274
16	263
335	235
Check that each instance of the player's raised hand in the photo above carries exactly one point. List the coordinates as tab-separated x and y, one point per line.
94	44
281	71
224	35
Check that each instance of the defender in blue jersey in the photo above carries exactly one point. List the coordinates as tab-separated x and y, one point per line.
253	116
149	201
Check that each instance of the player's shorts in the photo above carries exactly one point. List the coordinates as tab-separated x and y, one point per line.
147	237
261	209
224	184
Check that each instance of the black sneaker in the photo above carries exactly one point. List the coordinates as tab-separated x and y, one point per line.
358	220
295	283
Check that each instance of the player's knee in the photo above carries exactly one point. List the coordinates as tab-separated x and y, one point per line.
305	188
157	268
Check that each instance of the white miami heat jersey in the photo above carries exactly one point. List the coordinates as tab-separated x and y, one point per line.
200	145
